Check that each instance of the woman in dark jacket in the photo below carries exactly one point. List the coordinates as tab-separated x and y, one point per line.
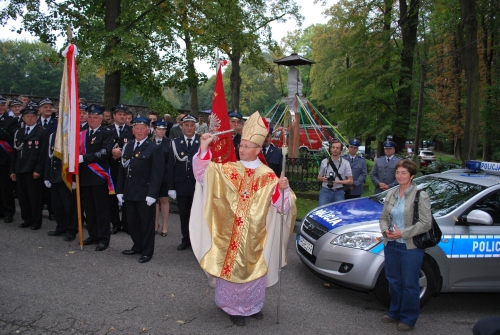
403	259
160	128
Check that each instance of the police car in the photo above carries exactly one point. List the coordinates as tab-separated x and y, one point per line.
341	242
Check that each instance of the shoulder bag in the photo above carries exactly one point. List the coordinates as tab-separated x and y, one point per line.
431	237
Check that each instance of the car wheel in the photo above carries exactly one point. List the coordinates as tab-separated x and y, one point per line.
427	286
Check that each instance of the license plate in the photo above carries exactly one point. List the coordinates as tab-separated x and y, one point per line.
306	245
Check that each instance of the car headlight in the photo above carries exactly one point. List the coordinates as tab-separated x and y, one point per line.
358	240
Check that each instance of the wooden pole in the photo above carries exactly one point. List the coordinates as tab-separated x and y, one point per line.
79	209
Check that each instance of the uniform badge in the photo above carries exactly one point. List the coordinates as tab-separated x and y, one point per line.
92	141
182	154
36	144
137	154
29	144
182	142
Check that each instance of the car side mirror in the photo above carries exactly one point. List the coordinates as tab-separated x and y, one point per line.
478	216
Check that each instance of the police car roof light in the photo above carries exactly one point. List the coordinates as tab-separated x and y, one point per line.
487	167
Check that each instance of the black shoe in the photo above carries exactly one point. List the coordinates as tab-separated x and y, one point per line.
115	230
130	252
52	217
237	320
35	227
8	219
145	259
69	238
55	233
89	240
183	246
25	225
45	208
101	246
258	316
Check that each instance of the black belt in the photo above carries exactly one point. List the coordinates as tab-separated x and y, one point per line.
335	189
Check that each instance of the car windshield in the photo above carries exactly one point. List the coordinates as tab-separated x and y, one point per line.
445	194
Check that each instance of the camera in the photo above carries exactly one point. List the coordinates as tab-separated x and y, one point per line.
330	178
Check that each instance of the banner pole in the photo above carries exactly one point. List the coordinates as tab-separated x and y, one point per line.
79	209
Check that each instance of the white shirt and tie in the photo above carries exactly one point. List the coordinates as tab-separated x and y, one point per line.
189	141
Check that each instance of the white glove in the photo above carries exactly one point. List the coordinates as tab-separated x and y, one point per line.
80	159
73	185
120	199
47	184
172	194
150	201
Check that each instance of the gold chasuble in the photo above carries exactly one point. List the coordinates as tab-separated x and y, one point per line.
237	212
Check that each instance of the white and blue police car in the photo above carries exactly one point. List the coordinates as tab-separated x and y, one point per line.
341	242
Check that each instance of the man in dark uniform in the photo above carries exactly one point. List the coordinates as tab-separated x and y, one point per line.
236	123
49	123
181	182
95	182
27	167
383	175
273	155
8	126
139	182
84	116
63	199
358	168
45	109
122	134
153	117
16	106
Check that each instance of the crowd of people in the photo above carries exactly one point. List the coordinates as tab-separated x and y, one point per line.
129	167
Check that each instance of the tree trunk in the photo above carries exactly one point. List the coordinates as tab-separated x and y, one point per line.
458	43
192	76
489	108
112	80
471	64
235	81
112	89
409	23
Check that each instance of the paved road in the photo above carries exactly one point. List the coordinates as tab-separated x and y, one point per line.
48	286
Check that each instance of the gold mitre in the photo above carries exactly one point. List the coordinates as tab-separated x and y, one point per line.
255	129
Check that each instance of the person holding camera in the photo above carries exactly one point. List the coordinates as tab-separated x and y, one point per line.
335	174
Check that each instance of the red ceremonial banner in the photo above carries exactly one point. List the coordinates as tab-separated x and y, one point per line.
222	148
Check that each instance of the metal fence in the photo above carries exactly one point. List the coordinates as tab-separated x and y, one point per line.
302	173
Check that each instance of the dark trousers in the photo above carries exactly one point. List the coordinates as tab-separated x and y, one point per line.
141	226
65	210
7	204
29	193
47	199
184	203
96	201
114	211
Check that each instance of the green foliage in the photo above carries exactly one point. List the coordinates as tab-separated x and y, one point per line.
34	68
356	74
